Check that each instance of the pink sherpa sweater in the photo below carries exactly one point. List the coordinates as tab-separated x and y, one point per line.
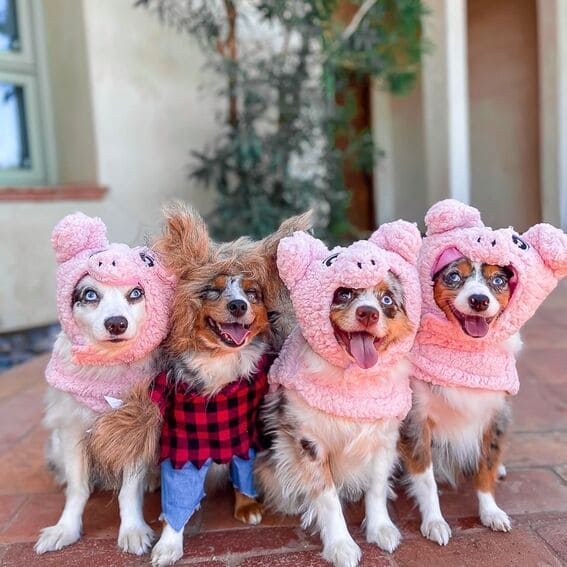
81	248
312	273
442	353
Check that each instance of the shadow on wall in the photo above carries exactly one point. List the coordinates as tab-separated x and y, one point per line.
18	347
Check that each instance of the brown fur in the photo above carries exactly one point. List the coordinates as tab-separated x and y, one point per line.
415	452
246	508
139	421
486	476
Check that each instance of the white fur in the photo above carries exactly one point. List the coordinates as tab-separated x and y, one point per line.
169	548
460	416
113	302
68	420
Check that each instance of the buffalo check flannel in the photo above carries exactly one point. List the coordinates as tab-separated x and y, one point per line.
196	428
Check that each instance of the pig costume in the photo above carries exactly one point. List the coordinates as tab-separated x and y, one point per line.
367	389
537	259
81	248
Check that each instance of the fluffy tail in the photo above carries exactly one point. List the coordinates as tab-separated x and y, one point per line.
125	438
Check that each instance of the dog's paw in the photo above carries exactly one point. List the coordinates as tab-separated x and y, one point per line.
247	510
386	537
496	520
437	531
502	472
135	539
343	553
56	537
166	553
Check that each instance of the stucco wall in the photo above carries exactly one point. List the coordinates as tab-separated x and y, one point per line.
504	106
143	110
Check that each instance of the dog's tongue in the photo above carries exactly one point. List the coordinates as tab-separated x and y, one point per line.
476	327
363	350
236	332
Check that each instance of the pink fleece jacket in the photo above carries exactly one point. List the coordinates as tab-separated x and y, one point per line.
312	273
442	353
81	248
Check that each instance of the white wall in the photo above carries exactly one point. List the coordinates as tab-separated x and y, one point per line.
148	113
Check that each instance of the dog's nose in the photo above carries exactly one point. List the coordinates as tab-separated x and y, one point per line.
479	302
116	325
237	307
367	315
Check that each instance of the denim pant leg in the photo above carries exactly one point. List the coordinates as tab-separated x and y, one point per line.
181	492
242	474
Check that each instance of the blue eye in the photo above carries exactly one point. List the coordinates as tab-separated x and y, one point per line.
135	294
498	281
90	295
387	300
453	278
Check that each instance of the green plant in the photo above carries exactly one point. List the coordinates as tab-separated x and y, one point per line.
276	154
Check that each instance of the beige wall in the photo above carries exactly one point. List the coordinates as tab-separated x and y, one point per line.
130	120
504	127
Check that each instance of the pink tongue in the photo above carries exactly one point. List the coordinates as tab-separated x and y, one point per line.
236	332
476	327
363	350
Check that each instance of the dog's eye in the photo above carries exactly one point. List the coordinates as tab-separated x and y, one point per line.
521	244
136	294
387	300
343	294
499	281
251	294
453	278
90	295
147	259
329	261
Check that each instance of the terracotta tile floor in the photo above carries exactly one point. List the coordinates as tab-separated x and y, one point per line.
534	494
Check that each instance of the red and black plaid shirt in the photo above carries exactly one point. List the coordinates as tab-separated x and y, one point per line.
196	428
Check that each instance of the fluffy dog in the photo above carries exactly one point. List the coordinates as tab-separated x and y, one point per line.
227	309
479	286
113	304
343	383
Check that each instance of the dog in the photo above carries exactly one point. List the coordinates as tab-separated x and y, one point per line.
227	317
479	287
113	304
341	384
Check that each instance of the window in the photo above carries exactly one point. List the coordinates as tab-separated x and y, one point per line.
26	145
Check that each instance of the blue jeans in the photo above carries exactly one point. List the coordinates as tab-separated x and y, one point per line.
183	489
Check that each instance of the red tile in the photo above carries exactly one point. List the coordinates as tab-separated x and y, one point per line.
555	535
9	505
517	548
537	449
81	554
23	376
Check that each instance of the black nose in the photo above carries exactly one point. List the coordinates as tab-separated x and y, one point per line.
479	302
367	315
237	307
116	325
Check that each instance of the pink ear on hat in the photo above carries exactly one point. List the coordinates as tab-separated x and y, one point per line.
450	214
295	253
401	237
551	245
75	233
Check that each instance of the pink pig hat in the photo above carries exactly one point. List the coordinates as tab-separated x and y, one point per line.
312	273
538	259
81	248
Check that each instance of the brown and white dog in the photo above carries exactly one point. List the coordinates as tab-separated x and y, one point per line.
452	431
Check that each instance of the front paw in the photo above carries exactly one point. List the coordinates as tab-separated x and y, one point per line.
166	553
496	520
247	510
57	537
386	537
342	553
135	539
437	531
